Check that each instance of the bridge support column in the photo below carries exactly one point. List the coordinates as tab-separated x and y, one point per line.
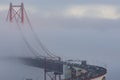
45	71
59	69
55	77
59	77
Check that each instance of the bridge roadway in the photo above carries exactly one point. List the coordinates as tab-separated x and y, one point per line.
56	66
50	65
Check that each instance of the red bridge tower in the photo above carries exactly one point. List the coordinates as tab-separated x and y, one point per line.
16	12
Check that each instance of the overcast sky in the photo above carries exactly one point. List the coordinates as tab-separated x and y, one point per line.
72	29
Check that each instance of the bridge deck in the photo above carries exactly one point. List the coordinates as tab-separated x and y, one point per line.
51	65
57	67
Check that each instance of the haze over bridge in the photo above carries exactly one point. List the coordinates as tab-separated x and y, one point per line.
49	63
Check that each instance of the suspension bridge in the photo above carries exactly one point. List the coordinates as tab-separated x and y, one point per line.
50	63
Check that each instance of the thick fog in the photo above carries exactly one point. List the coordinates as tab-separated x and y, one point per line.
98	45
93	37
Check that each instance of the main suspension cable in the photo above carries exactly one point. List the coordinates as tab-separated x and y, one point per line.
38	40
26	42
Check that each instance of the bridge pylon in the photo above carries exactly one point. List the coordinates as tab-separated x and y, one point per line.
16	12
56	74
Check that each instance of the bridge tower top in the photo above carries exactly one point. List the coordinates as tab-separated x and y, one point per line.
16	12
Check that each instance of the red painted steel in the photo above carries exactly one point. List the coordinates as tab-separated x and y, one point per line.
16	12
